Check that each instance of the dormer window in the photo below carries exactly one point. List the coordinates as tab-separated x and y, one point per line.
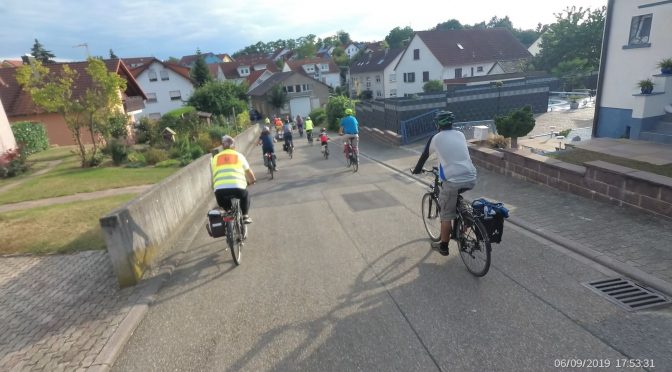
324	67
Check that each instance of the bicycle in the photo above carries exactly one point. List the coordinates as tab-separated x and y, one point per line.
309	136
351	158
229	224
268	159
468	230
325	150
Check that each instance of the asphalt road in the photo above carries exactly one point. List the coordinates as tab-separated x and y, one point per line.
338	274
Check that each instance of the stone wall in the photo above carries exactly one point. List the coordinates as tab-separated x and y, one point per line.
596	180
139	233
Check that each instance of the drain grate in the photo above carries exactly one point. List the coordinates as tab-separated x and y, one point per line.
627	294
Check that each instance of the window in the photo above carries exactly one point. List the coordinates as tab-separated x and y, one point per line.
164	75
151	97
393	78
416	53
298	88
425	76
152	75
377	78
324	67
175	95
368	84
306	87
409	77
640	28
393	92
290	89
479	69
379	94
458	73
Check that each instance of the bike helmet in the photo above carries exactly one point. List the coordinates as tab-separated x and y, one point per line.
444	119
307	117
348	111
324	129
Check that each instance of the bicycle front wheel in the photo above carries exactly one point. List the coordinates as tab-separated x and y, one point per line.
430	216
474	245
270	170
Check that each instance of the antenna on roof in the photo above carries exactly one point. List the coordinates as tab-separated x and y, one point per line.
85	45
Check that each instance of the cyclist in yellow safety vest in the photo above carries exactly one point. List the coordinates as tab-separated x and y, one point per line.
231	174
308	125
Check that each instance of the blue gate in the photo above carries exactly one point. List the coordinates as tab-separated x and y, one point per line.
417	127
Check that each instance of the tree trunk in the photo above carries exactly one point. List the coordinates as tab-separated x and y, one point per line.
82	150
93	139
514	142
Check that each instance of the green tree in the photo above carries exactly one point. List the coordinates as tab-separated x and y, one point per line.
41	54
399	37
432	86
92	110
306	47
220	98
336	110
451	24
343	37
173	60
339	57
112	55
277	97
577	33
572	72
517	123
199	72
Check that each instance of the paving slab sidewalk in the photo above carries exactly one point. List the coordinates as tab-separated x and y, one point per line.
629	237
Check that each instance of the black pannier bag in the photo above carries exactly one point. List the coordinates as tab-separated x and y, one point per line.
215	225
492	216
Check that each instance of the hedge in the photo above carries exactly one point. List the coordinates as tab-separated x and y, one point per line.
31	136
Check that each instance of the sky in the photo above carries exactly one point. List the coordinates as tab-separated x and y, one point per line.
164	28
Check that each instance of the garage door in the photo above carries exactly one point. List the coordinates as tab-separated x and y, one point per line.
300	106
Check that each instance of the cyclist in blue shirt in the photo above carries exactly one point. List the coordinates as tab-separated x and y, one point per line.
350	130
266	141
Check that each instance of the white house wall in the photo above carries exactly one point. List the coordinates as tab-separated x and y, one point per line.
427	62
162	88
625	67
7	140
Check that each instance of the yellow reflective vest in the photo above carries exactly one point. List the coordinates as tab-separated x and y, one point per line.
228	170
308	125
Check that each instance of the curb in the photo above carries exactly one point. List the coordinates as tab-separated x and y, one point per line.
147	294
602	259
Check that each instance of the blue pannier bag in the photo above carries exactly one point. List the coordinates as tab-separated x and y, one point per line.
492	216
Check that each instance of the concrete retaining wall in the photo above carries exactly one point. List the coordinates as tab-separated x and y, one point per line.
383	136
138	233
596	180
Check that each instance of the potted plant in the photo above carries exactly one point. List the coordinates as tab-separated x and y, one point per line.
574	102
646	86
665	66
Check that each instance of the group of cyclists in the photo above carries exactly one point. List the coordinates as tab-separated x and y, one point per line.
232	174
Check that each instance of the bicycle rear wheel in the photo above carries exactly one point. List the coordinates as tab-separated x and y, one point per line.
270	170
354	162
430	216
474	245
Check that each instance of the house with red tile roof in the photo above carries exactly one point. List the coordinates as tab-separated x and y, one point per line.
304	93
19	106
11	63
374	72
167	86
454	54
247	70
321	69
209	58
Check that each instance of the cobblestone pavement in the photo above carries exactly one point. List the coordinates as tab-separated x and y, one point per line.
629	236
57	312
569	119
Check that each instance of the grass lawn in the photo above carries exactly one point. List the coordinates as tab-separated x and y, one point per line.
580	156
69	178
57	229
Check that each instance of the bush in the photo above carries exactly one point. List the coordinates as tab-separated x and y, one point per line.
207	143
319	117
154	156
168	163
31	136
336	110
177	113
136	158
117	150
517	123
147	131
498	142
13	163
215	133
196	152
116	126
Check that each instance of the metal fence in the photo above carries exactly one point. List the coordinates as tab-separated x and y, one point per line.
422	126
